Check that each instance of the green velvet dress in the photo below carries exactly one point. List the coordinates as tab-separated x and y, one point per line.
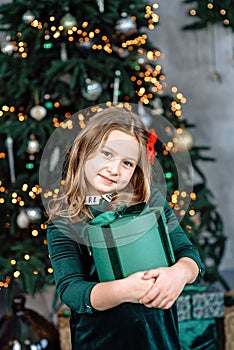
127	326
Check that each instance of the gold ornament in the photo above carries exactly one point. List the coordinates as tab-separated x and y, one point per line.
68	21
216	76
185	141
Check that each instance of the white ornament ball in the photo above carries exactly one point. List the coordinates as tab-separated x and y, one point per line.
38	112
22	219
33	146
92	90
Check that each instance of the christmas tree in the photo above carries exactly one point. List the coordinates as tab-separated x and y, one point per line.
57	58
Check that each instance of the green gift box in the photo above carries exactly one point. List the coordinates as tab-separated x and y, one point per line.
129	240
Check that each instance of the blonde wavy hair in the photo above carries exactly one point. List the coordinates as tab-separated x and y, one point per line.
71	198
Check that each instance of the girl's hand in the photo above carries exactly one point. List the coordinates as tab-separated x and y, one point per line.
169	283
105	295
135	286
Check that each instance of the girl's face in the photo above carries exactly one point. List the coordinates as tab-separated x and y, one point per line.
110	169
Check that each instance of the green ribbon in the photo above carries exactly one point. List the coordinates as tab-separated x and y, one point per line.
108	217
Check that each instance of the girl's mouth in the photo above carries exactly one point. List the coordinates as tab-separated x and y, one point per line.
107	180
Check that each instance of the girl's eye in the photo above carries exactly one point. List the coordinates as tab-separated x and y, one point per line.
107	154
128	164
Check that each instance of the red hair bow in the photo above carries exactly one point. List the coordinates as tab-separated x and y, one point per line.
150	145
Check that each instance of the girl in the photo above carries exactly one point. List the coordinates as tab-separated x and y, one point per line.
108	166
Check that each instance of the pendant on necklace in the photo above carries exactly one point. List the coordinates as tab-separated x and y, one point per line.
95	200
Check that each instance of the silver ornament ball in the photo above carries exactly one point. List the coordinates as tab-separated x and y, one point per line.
33	214
28	17
126	25
86	44
157	106
92	91
122	53
22	219
7	48
38	112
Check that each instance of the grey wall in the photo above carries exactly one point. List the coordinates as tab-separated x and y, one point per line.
187	64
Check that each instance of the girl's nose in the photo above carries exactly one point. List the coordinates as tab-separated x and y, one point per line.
113	166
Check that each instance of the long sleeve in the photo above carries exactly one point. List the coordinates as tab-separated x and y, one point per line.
73	268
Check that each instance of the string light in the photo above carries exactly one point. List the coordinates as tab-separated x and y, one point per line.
151	16
193	196
16	274
193	12
24	187
210	6
5	283
34	233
